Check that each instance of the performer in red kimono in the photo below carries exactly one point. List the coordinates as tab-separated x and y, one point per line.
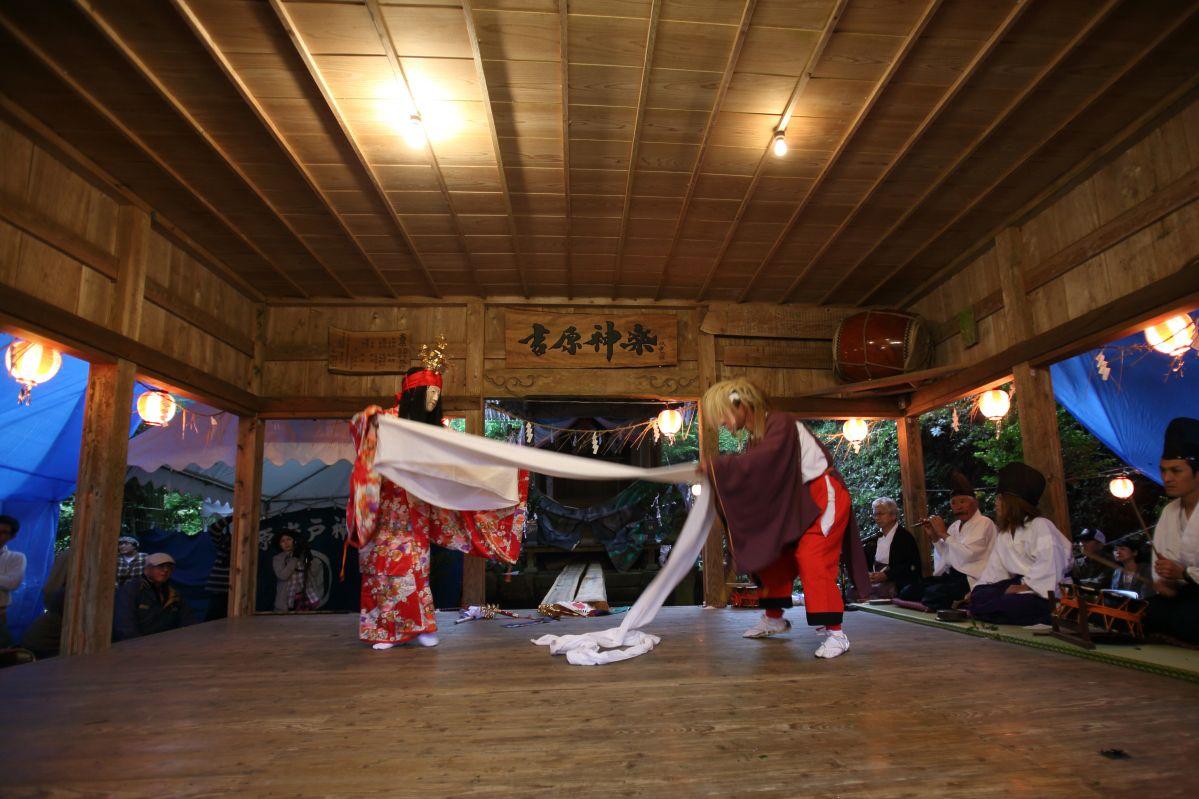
393	529
787	510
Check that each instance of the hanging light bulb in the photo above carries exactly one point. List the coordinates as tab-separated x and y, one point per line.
994	404
157	408
696	489
779	145
31	364
670	422
1173	336
1121	487
414	132
855	432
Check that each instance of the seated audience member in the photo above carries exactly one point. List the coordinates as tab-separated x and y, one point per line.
299	581
893	556
131	563
12	573
960	551
1174	611
44	635
1088	571
1135	573
151	604
1029	558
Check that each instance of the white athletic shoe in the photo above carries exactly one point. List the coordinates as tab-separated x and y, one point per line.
835	645
427	639
767	627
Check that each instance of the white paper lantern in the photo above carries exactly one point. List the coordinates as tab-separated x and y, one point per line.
1121	487
31	364
1172	337
157	408
670	422
994	404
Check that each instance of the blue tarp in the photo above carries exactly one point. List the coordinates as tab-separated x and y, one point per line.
1129	411
39	463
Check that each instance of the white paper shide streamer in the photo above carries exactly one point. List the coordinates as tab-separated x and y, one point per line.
463	472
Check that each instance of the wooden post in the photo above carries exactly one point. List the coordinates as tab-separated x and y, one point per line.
474	569
911	473
1037	408
87	622
1040	439
715	588
247	508
133	238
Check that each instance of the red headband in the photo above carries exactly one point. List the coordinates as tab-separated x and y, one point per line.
424	377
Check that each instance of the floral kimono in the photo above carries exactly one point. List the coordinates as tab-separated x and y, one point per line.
392	530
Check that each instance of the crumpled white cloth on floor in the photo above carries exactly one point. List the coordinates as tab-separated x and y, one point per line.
463	472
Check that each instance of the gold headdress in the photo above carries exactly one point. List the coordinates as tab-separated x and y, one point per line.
433	358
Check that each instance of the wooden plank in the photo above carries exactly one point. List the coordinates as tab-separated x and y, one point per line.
591	588
964	157
133	234
564	83
880	86
1040	439
20	215
716	592
27	312
911	475
99	493
876	385
210	324
566	584
545	340
247	510
474	569
801	83
968	72
784	354
476	345
1162	203
771	321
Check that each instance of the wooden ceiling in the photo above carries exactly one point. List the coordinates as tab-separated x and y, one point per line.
594	148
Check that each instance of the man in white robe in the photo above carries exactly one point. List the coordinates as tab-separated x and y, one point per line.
1175	609
960	551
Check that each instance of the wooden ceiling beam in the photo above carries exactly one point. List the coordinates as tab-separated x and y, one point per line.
726	78
967	73
88	10
801	83
1115	144
111	118
880	87
1033	85
647	63
293	32
473	36
397	69
564	77
200	31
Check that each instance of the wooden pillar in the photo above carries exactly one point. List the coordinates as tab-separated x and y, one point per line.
247	509
100	492
715	587
474	569
911	474
133	240
1040	439
1039	435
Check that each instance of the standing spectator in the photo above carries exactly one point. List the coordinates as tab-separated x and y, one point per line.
217	585
131	563
44	635
12	573
300	582
152	604
893	556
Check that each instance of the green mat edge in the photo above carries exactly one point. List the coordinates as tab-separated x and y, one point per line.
1067	649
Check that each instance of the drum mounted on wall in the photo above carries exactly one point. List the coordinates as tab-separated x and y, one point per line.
880	343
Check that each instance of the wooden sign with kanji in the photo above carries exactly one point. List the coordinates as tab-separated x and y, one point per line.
589	341
363	352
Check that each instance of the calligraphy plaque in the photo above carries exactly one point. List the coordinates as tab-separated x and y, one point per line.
367	352
589	341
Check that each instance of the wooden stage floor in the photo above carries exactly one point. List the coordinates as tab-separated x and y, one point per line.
292	706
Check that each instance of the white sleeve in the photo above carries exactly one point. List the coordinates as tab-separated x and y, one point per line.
812	463
1051	557
1164	539
973	545
12	572
995	571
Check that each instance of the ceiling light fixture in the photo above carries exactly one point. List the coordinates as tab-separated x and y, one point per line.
779	144
414	132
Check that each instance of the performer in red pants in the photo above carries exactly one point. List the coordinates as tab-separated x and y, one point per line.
787	510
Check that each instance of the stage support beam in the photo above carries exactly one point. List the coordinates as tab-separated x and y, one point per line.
247	511
474	569
1040	439
715	588
911	474
99	494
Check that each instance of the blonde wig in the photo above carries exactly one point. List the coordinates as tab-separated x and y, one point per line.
727	395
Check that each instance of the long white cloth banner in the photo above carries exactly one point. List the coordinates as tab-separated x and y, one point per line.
464	472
